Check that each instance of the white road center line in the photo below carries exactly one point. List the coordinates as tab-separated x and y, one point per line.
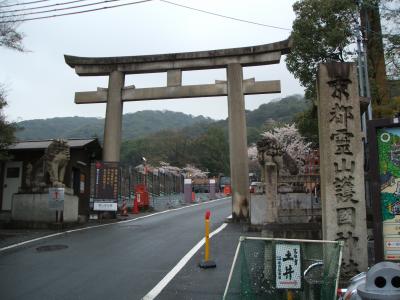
175	270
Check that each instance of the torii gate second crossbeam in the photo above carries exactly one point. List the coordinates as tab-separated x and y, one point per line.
233	60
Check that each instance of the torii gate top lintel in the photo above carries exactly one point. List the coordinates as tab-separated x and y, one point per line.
246	56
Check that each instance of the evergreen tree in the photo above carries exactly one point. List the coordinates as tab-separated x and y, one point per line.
12	39
7	129
325	30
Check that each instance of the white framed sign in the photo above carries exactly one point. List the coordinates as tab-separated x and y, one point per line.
288	266
56	198
105	206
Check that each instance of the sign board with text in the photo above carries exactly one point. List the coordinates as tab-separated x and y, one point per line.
384	140
288	266
105	184
105	206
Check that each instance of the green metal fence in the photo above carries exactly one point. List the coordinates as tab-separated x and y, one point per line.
266	268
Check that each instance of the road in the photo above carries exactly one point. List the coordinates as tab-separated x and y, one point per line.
120	261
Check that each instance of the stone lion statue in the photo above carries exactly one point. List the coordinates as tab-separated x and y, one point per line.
57	157
270	151
53	162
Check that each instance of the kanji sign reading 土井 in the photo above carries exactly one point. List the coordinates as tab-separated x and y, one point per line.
106	186
288	266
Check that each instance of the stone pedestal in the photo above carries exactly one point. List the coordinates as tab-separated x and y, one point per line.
264	207
187	190
271	192
258	210
212	189
34	208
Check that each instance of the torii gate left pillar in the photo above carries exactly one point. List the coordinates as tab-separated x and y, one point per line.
233	60
238	142
113	120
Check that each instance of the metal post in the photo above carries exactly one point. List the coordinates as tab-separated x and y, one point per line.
207	263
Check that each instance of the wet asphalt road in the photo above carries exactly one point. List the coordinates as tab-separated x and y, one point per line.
119	261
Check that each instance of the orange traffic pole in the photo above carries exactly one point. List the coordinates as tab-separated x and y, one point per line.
207	243
207	263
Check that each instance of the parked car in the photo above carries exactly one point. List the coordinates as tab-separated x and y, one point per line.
257	187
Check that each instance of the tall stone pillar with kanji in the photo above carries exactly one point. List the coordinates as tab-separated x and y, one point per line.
342	164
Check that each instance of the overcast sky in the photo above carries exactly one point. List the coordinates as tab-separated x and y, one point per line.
40	84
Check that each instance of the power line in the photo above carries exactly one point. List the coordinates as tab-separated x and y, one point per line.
24	3
74	13
43	6
59	9
103	8
223	16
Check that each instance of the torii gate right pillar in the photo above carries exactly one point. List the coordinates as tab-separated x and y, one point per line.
238	143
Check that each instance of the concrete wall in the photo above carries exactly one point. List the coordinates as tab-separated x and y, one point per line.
35	208
298	208
291	208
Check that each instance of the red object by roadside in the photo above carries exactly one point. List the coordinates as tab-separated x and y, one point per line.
135	208
208	214
141	195
227	190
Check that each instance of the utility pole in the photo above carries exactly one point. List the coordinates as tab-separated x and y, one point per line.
364	90
363	79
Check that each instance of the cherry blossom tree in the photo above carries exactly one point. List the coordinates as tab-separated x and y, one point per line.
252	152
292	142
167	168
193	172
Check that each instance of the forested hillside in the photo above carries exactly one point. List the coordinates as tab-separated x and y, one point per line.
280	111
206	145
134	125
272	114
172	137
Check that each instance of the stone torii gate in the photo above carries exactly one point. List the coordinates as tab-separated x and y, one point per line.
233	60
